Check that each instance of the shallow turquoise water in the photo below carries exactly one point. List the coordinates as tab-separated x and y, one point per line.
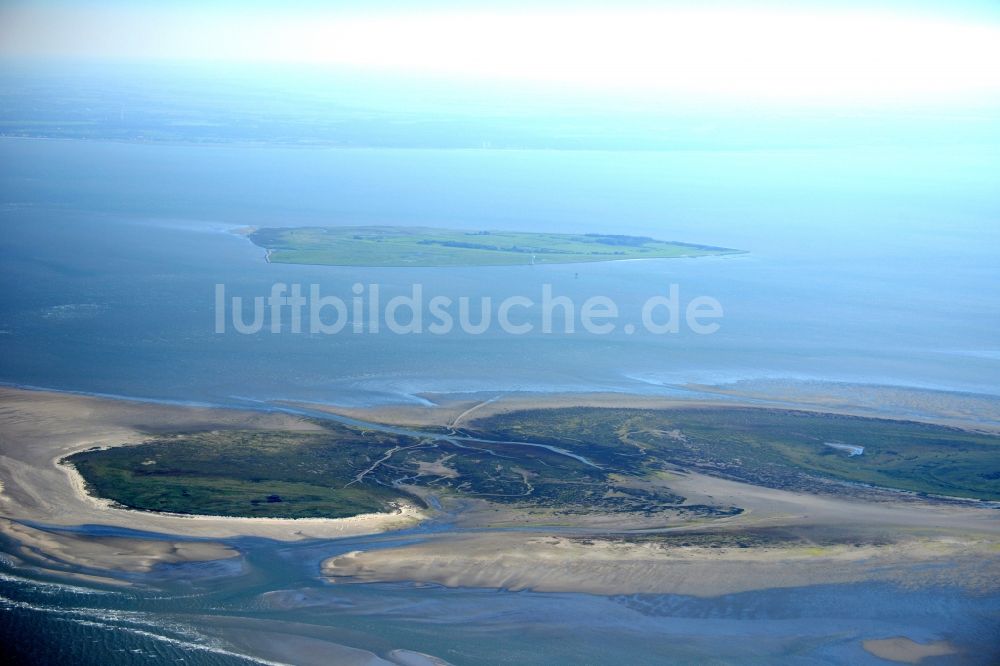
187	617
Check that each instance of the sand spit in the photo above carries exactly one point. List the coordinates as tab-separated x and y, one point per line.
460	410
38	429
889	511
120	554
905	651
813	539
599	566
277	647
303	645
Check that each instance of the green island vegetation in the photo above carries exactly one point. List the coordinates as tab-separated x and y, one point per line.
601	460
419	246
344	471
772	447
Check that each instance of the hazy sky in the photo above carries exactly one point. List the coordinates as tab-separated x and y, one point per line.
805	52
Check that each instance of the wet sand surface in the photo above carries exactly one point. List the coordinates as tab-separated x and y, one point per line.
38	429
905	651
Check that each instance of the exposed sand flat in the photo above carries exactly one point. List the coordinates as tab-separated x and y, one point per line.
303	645
906	651
448	410
769	507
597	566
70	576
891	538
38	428
276	647
944	407
459	411
411	658
120	554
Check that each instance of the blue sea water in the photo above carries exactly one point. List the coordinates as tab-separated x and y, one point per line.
867	266
193	614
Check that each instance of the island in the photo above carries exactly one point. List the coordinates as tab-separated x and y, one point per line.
634	498
388	246
564	462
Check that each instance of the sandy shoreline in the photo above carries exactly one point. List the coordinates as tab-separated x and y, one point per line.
825	539
448	410
603	567
120	554
903	650
282	642
459	410
41	428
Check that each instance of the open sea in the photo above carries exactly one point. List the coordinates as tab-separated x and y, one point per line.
872	267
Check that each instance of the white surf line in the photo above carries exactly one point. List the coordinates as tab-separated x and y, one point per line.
94	617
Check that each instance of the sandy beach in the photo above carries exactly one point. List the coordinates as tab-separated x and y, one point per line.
824	539
120	554
303	645
598	566
903	650
41	428
457	410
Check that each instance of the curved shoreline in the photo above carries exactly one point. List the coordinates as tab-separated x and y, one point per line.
439	408
43	428
404	512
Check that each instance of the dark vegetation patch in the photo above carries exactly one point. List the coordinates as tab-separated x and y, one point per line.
774	448
345	471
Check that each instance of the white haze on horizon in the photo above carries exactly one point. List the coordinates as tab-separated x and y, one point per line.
825	57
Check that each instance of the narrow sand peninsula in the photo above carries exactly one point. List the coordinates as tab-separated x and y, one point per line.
771	507
598	566
120	554
905	651
38	429
459	410
304	645
830	540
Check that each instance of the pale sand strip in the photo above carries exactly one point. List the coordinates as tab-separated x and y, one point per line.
303	645
120	554
905	651
772	507
597	566
38	429
893	536
461	410
277	647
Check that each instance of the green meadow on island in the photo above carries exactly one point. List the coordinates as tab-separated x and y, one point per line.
598	461
388	246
